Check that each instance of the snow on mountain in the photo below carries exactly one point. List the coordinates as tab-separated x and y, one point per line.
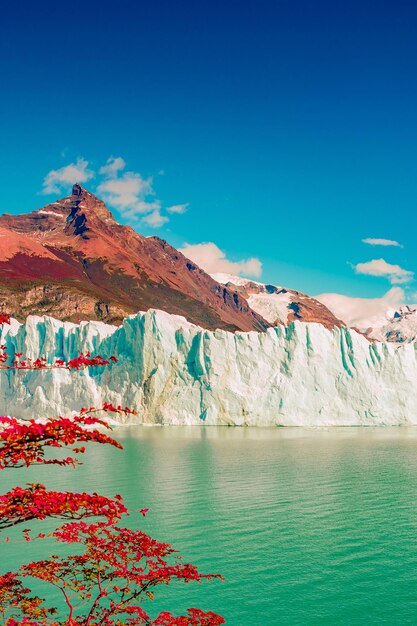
271	302
223	278
173	372
279	305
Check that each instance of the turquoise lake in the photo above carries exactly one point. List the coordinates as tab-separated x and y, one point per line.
307	526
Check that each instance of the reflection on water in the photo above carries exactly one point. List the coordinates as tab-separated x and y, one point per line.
309	526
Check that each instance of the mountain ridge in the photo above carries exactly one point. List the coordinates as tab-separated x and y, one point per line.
280	305
73	261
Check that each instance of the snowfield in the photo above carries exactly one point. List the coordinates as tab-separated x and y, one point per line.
272	306
173	372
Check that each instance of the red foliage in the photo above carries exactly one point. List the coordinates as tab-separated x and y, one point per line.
36	502
17	603
20	362
23	442
109	408
117	571
194	617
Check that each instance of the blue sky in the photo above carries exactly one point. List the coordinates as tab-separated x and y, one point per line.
279	131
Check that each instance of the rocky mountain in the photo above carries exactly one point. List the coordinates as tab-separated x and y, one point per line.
279	305
73	261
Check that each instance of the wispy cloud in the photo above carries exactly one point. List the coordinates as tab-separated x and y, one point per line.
382	242
379	267
59	180
178	208
112	167
155	219
213	260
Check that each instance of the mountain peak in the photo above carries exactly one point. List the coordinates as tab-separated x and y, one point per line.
81	193
85	208
77	190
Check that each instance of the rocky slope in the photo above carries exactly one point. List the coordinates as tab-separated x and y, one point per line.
73	261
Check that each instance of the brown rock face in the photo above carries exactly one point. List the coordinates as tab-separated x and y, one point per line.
308	309
73	261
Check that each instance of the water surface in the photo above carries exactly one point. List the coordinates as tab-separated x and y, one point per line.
308	526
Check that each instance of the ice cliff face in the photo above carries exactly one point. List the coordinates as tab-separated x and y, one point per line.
173	372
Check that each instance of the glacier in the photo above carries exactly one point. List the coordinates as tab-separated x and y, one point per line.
173	372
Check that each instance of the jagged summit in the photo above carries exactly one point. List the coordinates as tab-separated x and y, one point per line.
77	190
72	260
87	201
84	207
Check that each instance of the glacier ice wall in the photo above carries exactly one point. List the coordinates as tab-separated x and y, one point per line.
173	372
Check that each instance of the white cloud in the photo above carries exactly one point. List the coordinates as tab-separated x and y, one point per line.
178	208
132	194
129	193
59	180
382	242
112	167
211	259
362	312
155	219
379	267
